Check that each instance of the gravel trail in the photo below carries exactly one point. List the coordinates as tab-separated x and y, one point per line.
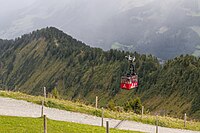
12	107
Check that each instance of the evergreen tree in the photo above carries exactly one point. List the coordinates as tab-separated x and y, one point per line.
55	93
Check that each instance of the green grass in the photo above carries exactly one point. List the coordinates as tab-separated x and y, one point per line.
80	107
10	124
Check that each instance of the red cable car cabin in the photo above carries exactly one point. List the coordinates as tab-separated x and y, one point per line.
129	82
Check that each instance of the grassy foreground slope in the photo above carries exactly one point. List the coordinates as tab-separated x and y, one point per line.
10	124
87	109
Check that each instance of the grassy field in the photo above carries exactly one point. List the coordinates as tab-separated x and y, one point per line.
80	107
10	124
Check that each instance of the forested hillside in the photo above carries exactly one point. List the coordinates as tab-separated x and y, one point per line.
51	58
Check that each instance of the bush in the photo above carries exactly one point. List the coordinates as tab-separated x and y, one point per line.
119	109
134	105
55	93
111	105
97	113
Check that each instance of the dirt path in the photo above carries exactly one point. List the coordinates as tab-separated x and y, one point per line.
12	107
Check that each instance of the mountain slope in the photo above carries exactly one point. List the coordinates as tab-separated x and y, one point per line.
51	58
177	86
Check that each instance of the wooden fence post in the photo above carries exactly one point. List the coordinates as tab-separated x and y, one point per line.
142	111
156	123
107	126
45	95
45	124
185	119
102	115
42	112
96	102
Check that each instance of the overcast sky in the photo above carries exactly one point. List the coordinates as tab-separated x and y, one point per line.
12	5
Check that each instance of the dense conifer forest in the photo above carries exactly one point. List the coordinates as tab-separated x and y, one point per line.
68	67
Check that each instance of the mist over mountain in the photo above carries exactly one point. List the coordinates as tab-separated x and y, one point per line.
164	28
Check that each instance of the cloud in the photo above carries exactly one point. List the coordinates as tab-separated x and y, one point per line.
8	6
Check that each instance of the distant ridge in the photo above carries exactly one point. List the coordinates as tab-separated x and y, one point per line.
165	29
